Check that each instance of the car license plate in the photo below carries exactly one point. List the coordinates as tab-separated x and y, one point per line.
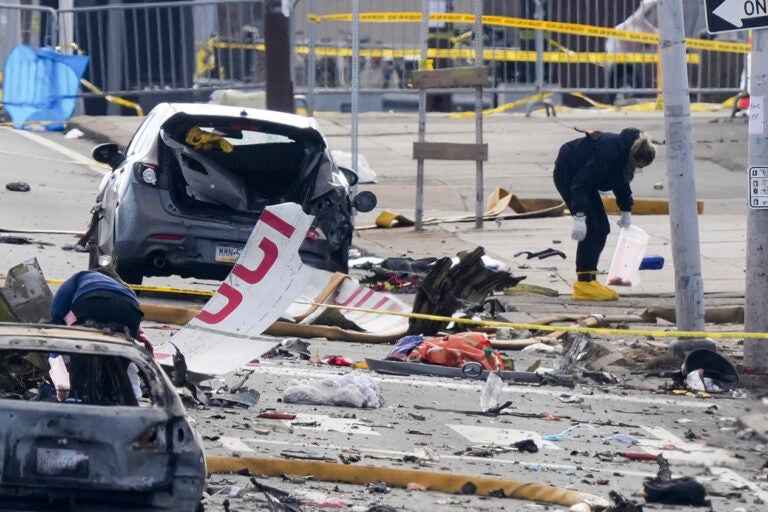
61	462
228	253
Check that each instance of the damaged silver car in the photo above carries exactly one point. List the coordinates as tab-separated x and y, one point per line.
185	195
91	422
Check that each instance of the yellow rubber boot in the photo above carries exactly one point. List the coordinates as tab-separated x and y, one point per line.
592	290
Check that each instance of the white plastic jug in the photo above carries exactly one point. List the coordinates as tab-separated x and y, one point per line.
630	250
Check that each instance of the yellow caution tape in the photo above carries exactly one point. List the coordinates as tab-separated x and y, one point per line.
497	54
552	26
114	99
537	327
593	102
503	108
155	289
486	323
169	290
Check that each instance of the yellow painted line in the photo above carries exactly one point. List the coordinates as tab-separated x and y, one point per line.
533	327
552	26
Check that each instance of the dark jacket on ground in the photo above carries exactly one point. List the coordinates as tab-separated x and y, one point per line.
597	161
81	283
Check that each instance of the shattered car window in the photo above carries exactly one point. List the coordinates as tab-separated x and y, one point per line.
63	378
238	137
240	166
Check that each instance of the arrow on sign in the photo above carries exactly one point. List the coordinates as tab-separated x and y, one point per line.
736	11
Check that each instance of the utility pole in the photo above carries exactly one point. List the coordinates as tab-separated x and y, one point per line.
279	87
756	296
683	214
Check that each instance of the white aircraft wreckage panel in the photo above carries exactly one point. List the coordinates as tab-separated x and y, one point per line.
268	276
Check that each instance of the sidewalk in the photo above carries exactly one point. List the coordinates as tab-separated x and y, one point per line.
521	153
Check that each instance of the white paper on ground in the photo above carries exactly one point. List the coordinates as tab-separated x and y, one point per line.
267	277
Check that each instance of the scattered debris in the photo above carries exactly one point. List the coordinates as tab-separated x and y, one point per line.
622	504
526	445
277	500
25	296
242	399
18	186
21	240
74	133
673	491
291	347
546	253
447	286
378	487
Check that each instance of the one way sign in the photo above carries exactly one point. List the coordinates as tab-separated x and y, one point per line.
731	15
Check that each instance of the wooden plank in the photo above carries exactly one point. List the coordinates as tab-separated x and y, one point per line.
449	151
450	77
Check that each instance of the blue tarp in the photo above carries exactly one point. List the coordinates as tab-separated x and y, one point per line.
40	85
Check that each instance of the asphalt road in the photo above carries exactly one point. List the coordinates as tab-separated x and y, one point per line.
425	424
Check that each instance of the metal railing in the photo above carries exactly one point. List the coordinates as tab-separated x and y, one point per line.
184	50
29	25
573	52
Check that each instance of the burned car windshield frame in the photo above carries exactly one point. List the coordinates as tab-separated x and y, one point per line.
98	376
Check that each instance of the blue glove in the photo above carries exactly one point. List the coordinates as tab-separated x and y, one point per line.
579	228
626	220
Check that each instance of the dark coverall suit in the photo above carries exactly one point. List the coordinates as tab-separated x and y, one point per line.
584	167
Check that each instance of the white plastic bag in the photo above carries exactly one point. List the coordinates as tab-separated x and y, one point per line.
630	250
364	172
59	376
490	398
350	390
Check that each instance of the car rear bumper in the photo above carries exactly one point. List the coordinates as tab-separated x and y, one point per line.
196	255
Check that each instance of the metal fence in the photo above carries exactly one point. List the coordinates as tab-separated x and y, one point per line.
184	50
168	50
30	25
572	52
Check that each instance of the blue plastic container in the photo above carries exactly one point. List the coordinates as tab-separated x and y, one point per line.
655	262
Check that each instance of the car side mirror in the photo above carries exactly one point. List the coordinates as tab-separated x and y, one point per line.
108	153
365	201
352	177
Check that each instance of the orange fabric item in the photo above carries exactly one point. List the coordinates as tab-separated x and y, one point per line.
457	349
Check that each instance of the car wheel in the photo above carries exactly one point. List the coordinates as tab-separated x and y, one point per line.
131	274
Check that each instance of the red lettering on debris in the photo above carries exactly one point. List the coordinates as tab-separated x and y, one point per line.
234	298
278	224
270	256
250	276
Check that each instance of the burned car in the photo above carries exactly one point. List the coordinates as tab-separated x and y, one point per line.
91	422
185	195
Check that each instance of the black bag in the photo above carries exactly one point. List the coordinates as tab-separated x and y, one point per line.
678	491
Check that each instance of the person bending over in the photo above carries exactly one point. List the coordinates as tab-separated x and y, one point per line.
584	167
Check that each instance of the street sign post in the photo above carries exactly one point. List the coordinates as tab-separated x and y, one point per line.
732	15
758	188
